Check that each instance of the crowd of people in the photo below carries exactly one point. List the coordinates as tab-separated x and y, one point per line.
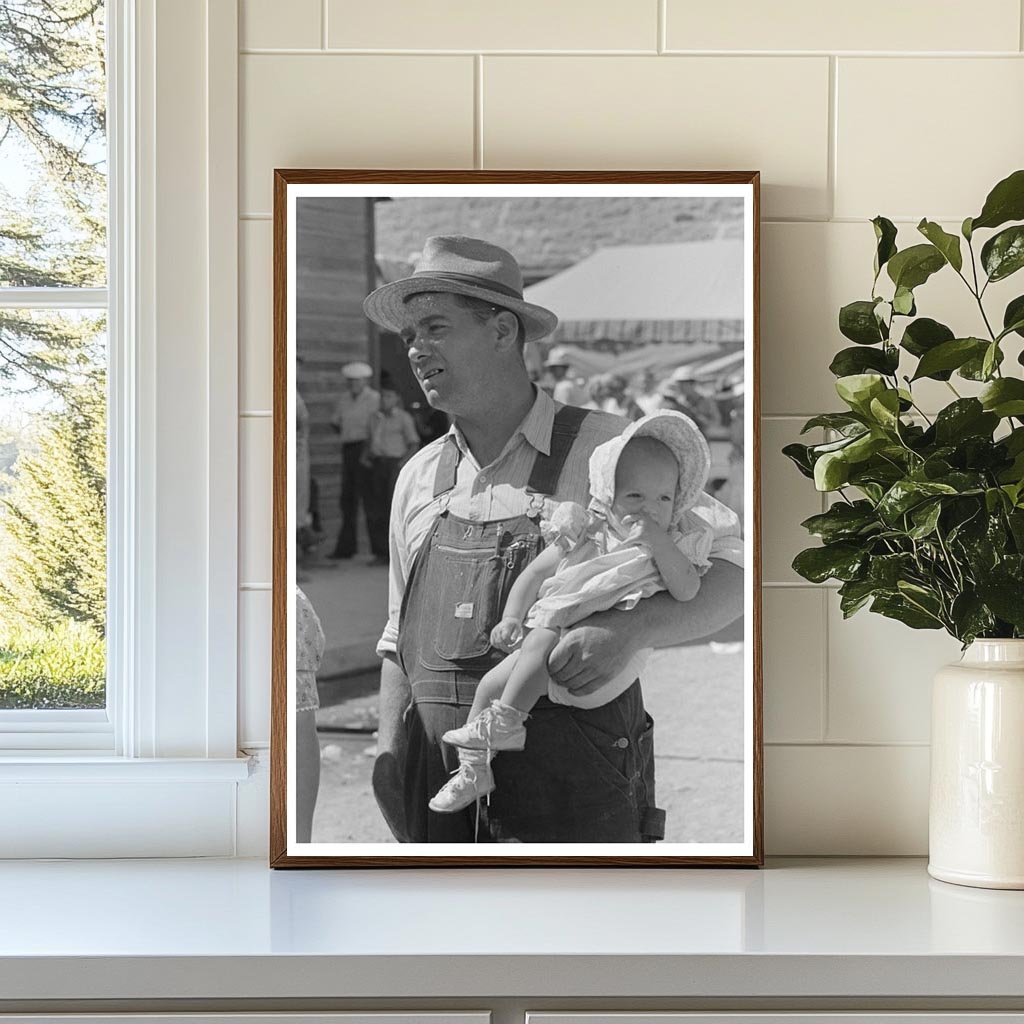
377	436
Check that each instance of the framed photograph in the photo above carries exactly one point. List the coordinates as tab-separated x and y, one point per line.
516	551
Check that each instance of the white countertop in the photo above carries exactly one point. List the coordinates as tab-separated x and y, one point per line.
234	928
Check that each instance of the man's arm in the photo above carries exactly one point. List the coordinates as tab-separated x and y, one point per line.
389	768
596	650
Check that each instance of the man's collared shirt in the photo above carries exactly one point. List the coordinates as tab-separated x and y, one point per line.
498	491
352	413
392	434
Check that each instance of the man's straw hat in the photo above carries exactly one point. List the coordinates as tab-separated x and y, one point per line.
461	266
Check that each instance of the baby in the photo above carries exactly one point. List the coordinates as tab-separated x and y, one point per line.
638	537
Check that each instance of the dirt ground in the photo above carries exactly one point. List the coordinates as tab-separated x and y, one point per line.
695	695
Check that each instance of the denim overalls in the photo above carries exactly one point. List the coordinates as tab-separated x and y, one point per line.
585	775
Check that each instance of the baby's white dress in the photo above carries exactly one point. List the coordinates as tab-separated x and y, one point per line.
602	570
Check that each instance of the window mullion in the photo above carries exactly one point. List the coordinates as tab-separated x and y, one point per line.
53	298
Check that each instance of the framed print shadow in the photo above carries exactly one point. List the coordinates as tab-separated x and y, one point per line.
516	546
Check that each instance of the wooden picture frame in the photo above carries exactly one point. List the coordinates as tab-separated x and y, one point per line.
325	261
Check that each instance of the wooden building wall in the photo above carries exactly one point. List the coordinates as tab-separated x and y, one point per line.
334	271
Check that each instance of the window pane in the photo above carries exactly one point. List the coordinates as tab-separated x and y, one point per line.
53	148
52	509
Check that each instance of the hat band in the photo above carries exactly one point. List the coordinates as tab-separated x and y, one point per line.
479	282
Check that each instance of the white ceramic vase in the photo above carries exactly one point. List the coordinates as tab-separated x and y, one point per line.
976	812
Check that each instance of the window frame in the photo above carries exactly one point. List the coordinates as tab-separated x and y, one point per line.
166	779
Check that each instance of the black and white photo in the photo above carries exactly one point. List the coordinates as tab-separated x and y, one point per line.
516	568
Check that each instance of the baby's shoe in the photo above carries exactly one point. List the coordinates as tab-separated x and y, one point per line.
473	780
498	727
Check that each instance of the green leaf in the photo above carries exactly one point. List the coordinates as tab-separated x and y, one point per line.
843	521
991	360
897	607
831	471
965	228
850	361
885	409
966	417
858	389
1004	397
1003	255
854	595
925	518
799	455
1013	317
912	267
885	571
1005	202
903	302
1005	596
923	335
971	618
950	355
857	321
885	236
840	561
904	495
974	368
833	420
947	244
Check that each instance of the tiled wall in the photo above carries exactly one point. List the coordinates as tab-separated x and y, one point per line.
905	109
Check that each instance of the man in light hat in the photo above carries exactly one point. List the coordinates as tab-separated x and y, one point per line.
464	523
565	389
356	404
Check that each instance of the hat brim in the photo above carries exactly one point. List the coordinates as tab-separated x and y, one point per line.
386	306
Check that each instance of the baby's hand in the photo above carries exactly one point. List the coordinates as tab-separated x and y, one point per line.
643	529
507	634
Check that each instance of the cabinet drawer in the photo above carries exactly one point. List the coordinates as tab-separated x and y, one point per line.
933	1017
359	1017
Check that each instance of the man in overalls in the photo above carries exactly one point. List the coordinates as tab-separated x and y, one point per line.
464	523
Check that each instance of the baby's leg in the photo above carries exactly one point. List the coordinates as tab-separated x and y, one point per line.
528	680
492	685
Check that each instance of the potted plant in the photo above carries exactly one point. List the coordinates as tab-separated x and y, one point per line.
927	521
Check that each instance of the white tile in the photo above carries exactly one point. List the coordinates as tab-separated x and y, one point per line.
846	801
793	635
255	510
471	25
254	626
787	499
962	130
269	24
880	676
868	25
679	113
808	272
255	319
351	111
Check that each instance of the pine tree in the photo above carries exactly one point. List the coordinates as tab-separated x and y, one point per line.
53	521
53	234
53	119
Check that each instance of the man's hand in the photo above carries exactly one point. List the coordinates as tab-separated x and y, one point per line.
592	653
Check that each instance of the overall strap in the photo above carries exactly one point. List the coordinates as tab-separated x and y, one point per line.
447	466
548	468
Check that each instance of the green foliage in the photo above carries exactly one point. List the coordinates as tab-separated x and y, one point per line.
53	123
63	667
927	526
53	521
52	235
